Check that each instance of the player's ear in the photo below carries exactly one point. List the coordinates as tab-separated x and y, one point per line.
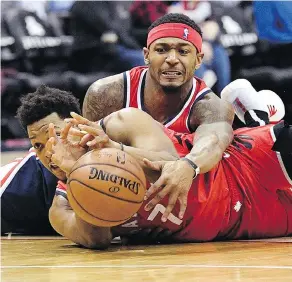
200	57
146	55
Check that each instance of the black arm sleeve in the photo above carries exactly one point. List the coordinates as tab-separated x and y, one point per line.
283	145
283	133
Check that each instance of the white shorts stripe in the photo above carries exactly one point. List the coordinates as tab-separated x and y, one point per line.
128	88
15	170
139	89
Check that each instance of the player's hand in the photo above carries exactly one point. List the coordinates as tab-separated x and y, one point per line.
175	180
61	151
91	133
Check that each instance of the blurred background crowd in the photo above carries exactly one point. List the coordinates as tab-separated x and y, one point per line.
71	44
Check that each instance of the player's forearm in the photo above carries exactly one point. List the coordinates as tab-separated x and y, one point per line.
66	223
210	142
140	154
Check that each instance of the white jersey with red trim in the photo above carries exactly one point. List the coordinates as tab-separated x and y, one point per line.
134	82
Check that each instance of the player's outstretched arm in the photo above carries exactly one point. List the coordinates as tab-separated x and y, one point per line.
214	134
141	135
67	223
214	118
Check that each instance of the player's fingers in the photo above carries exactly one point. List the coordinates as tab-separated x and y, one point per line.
91	130
183	199
69	120
94	144
80	119
154	187
86	138
74	143
97	142
77	132
52	132
171	203
65	131
55	159
158	197
50	144
153	165
49	151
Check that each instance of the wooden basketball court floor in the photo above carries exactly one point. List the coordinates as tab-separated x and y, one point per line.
52	259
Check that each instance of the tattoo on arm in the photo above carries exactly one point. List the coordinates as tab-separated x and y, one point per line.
213	119
103	97
211	109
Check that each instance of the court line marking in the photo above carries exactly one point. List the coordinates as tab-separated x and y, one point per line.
150	266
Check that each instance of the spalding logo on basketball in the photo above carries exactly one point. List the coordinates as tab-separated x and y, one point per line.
106	187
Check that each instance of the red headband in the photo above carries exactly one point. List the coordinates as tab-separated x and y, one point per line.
177	30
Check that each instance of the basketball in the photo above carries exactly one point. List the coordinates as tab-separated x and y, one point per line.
106	187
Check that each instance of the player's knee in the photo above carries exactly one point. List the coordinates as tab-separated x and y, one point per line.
244	99
236	88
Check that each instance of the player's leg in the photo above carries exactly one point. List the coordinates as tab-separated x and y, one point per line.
248	106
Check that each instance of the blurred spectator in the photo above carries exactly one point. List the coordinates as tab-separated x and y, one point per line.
197	10
143	14
273	20
57	6
101	39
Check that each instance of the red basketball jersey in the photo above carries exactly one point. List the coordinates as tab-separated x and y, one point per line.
247	195
134	81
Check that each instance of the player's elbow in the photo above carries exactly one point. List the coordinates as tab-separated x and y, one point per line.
92	243
66	223
100	240
53	218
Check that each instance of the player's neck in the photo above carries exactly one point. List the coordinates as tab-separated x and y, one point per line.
159	103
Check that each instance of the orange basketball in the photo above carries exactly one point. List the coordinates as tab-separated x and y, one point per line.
106	187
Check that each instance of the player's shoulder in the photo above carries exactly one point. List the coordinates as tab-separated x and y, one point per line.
200	84
137	70
9	171
113	84
103	97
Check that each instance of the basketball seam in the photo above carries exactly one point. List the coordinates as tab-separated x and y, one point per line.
123	220
112	166
97	190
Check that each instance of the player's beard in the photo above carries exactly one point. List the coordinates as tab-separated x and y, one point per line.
171	90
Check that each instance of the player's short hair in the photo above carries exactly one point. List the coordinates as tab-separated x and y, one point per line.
45	101
176	18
